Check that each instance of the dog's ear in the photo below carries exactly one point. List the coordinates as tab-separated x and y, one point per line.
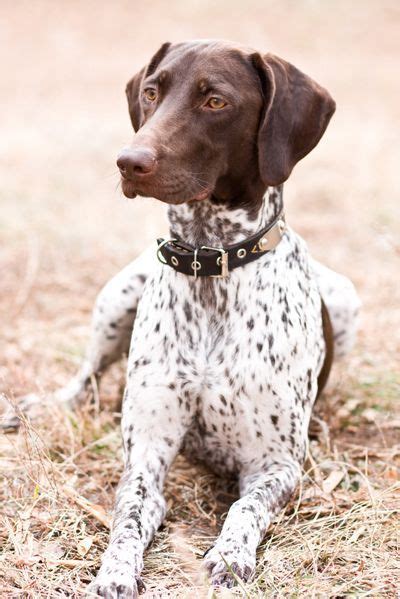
132	89
296	113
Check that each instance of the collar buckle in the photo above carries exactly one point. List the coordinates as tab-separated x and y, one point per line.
222	261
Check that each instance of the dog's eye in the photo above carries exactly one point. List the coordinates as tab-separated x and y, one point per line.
150	94
216	103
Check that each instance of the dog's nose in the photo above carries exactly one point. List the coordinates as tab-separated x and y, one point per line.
138	161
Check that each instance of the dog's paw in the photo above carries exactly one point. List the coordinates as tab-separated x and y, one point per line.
225	566
108	588
33	407
12	415
73	394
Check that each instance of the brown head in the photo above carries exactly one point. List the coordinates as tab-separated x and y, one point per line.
216	119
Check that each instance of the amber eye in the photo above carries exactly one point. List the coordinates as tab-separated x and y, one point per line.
150	94
216	103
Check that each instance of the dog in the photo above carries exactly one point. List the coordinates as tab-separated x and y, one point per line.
230	324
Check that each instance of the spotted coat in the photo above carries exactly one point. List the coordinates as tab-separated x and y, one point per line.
224	370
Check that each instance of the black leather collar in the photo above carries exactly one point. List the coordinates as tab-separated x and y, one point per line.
217	262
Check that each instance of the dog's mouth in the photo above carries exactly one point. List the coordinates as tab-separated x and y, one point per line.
131	189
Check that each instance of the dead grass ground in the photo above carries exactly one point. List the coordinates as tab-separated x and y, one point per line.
65	229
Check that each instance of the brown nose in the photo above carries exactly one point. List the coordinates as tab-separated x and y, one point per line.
140	161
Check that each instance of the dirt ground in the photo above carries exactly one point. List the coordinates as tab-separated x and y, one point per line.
65	229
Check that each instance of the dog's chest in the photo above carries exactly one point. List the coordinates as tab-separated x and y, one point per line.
245	352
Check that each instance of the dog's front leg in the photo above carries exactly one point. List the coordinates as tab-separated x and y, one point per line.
139	511
153	427
263	494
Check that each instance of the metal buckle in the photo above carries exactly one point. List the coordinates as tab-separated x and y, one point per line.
160	256
196	265
222	261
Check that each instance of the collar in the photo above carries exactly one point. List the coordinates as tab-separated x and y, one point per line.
218	261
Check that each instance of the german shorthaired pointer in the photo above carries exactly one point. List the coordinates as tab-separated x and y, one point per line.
231	341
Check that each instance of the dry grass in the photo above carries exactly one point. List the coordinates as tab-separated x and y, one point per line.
63	118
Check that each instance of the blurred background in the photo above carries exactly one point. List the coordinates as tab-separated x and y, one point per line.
65	227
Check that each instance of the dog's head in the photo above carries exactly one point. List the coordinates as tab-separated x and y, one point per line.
216	119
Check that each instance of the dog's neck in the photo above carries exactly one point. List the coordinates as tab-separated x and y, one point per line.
211	223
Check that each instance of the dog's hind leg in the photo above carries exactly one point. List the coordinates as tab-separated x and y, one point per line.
111	330
343	304
112	323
